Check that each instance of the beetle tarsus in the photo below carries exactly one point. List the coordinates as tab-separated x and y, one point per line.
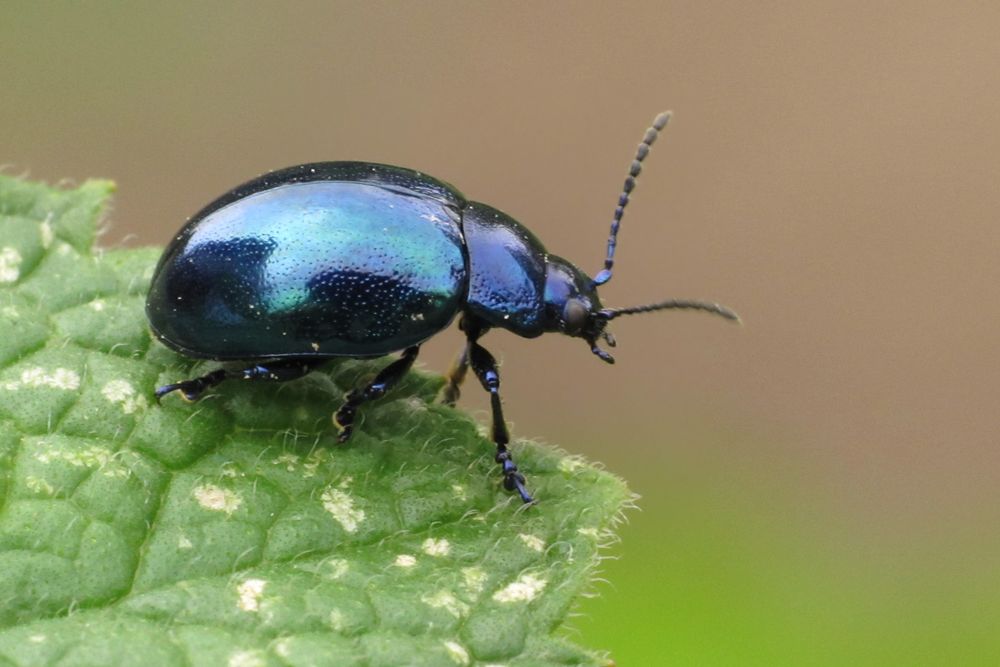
518	483
512	479
191	390
345	434
387	378
343	418
160	392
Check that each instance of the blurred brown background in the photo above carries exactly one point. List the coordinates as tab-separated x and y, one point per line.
831	172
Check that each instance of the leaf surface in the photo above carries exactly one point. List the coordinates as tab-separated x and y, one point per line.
235	531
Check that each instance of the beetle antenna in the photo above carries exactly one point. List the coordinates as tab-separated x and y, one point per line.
706	306
634	169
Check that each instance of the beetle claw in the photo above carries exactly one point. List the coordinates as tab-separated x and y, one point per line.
344	422
515	482
169	388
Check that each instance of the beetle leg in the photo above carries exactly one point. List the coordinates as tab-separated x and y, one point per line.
383	382
485	368
191	390
456	376
279	370
473	329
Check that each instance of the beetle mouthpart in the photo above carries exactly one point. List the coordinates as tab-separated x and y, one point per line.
604	356
609	339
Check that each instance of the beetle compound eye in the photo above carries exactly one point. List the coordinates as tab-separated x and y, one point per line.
574	315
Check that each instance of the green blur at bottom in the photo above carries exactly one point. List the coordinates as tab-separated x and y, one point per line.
720	568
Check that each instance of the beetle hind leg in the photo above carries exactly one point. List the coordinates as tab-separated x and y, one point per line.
387	378
191	390
278	370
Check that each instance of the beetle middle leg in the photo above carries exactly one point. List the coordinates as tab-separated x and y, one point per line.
276	370
460	367
485	368
456	376
387	378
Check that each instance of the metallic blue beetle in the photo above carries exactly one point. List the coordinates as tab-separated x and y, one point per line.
354	259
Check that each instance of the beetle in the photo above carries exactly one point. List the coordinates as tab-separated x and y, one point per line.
357	259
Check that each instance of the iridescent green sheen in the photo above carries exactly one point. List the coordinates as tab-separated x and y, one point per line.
363	265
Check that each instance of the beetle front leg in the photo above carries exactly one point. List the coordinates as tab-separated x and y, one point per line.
387	378
485	368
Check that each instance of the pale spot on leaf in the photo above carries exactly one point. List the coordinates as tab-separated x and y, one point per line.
337	620
10	264
60	378
405	560
433	547
336	568
38	485
217	499
457	653
524	589
446	600
124	394
246	659
46	232
283	648
250	592
570	464
288	460
313	462
341	506
475	578
532	542
84	457
115	471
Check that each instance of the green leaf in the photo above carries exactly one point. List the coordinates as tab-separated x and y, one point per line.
235	530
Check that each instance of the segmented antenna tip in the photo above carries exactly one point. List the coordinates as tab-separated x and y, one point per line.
635	168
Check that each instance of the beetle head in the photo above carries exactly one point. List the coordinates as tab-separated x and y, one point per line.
573	308
571	303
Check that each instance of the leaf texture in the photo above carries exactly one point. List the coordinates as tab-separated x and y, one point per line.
236	531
